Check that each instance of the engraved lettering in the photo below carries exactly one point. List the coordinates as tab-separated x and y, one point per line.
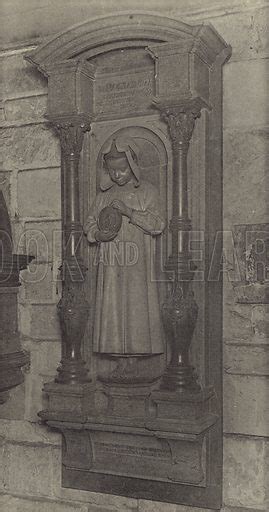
123	93
130	450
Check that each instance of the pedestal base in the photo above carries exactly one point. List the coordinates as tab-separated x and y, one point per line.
70	372
127	401
180	379
130	370
68	402
131	453
184	412
140	437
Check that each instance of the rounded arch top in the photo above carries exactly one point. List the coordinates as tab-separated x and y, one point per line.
106	33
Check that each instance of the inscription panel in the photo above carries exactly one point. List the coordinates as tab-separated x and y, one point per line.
132	450
146	457
124	93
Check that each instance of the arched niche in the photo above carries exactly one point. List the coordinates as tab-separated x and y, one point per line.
154	161
151	77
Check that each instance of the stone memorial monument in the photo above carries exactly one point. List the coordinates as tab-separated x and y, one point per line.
137	103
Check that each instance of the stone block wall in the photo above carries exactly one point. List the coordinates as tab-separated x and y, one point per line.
30	467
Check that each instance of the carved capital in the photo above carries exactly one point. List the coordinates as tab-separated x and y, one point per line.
71	132
180	118
71	137
181	125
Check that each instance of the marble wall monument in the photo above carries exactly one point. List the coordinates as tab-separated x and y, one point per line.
137	103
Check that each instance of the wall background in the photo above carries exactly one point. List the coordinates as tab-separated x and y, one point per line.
29	175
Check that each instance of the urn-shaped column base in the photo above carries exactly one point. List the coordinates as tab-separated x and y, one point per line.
73	311
180	314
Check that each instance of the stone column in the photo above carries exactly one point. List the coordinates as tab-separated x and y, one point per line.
73	306
180	310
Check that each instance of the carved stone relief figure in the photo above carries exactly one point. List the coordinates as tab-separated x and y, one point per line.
123	222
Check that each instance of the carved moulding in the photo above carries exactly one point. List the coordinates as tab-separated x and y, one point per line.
12	357
119	438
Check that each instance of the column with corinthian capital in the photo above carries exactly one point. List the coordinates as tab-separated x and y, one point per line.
73	306
70	85
180	309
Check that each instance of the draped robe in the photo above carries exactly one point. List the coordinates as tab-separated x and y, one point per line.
127	312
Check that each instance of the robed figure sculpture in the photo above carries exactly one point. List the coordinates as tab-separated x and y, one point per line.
124	221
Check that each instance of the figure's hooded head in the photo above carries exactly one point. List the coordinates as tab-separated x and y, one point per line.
120	153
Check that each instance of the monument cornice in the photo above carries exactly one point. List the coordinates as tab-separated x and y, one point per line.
109	32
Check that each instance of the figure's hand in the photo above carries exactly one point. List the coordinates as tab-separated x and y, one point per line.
121	206
101	236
